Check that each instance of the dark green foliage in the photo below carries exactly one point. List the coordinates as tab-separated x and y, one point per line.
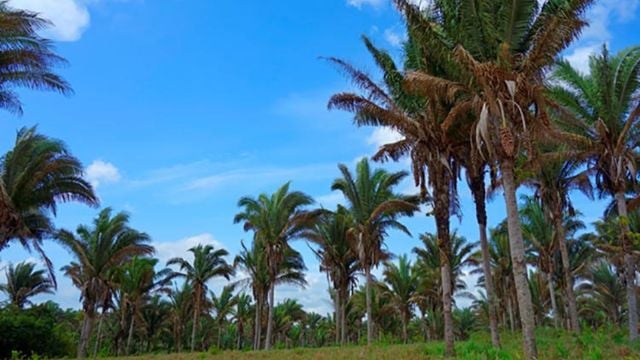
45	330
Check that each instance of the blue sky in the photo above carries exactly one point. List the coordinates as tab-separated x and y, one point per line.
182	107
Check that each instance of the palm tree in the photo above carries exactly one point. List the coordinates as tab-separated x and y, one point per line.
135	281
604	292
241	314
419	118
337	259
27	58
538	233
156	316
24	282
604	110
181	300
375	209
35	176
553	179
208	263
99	250
275	220
223	307
253	262
402	280
499	52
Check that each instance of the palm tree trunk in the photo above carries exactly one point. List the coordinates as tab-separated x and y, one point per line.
337	316
99	334
240	333
405	332
629	268
445	272
219	335
343	322
267	340
479	197
517	257
367	272
258	325
574	325
130	337
196	318
554	306
512	323
442	213
85	334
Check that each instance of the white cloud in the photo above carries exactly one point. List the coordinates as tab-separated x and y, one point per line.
101	172
579	58
70	18
383	135
600	17
180	248
360	3
393	37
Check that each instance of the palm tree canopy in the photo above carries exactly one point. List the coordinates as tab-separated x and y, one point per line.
35	175
98	250
26	59
24	282
375	208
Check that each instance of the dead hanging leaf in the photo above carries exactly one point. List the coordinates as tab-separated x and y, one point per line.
482	128
511	87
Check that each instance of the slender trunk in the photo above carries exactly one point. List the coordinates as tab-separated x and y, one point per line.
85	334
240	334
343	322
479	197
574	325
629	268
267	341
554	305
257	325
337	315
219	335
405	332
99	335
196	318
517	257
367	272
130	337
446	301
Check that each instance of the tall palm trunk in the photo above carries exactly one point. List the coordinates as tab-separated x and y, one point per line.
196	317
441	209
85	334
629	267
574	325
258	324
240	334
99	334
131	327
554	305
267	340
405	332
343	322
367	273
337	316
517	258
479	197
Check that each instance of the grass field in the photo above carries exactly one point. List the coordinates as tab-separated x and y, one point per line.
551	345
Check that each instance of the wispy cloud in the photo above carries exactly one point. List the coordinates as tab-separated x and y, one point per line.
393	37
383	135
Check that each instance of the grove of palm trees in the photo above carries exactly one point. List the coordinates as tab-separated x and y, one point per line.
482	100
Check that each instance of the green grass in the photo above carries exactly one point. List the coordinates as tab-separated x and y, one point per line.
552	344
